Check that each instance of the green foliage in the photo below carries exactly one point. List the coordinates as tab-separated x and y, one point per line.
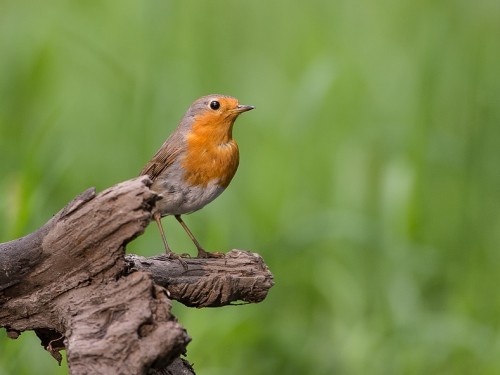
369	175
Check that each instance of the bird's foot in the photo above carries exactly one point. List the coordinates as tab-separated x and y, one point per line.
202	253
174	256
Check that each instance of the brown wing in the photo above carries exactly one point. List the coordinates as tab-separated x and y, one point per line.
164	158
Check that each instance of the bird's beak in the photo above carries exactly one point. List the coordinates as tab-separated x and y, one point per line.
243	108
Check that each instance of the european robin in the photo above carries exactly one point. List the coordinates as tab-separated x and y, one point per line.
197	161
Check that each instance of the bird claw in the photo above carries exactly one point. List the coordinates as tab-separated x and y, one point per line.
173	256
206	254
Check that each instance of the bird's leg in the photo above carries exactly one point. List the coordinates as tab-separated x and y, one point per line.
202	253
157	217
171	254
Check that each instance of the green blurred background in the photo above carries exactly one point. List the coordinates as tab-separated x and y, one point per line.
369	177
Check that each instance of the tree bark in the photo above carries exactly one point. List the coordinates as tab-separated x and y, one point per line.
239	277
71	283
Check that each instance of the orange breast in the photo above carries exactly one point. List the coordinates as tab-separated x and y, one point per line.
211	155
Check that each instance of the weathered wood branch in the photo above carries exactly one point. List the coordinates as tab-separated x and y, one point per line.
70	282
240	276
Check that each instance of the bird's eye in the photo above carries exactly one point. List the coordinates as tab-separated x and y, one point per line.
215	105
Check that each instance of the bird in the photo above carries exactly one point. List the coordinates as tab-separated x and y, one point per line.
196	163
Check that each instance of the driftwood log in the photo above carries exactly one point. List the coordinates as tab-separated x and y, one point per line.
71	282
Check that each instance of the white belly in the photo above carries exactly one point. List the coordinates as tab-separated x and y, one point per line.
179	198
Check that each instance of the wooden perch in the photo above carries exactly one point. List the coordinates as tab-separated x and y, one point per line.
209	282
71	283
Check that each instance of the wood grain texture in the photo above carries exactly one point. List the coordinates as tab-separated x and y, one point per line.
239	277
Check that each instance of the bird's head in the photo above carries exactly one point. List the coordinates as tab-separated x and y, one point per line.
214	115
